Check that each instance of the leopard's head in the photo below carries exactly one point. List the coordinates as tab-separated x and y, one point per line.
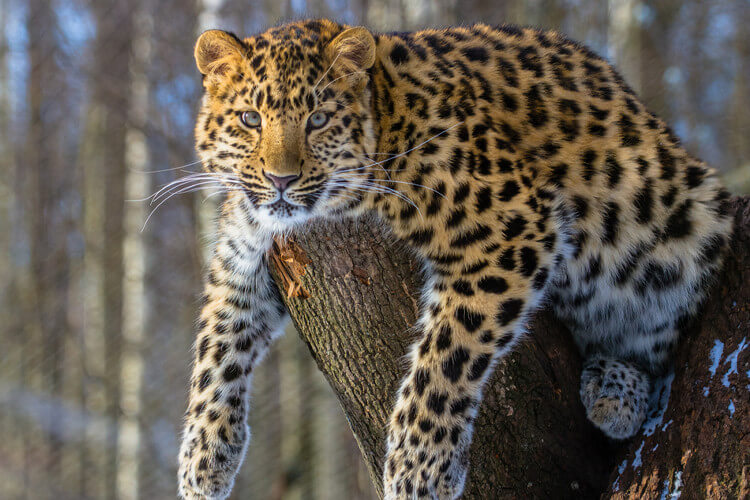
286	117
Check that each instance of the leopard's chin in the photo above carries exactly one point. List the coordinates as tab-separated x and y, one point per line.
281	216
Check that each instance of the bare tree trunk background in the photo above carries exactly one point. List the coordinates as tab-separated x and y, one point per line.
532	439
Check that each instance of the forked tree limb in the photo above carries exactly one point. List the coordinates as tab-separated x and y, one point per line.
532	439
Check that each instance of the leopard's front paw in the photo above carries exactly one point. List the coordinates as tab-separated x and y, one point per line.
209	464
424	472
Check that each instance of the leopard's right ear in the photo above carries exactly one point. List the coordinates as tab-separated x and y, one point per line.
216	50
352	51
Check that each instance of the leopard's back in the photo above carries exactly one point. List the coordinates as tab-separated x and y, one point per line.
540	120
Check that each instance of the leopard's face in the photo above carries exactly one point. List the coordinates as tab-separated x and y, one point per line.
285	123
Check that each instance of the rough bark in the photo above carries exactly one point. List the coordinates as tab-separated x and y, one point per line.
532	439
700	445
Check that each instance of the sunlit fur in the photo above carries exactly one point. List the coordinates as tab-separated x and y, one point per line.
519	167
286	84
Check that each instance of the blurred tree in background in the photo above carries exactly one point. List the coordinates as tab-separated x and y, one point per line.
97	102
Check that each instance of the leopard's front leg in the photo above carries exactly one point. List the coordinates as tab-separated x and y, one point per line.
469	323
241	316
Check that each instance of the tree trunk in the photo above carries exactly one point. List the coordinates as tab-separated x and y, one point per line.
45	193
103	144
531	438
698	444
132	462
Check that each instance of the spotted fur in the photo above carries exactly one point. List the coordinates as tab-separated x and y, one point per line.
517	164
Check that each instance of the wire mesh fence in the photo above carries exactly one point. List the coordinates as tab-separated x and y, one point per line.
97	102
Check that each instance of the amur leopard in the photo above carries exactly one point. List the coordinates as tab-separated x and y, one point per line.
517	164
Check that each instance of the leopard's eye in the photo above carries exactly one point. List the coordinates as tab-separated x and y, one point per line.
251	119
317	119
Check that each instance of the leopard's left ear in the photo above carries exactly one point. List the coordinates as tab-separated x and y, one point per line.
352	51
216	50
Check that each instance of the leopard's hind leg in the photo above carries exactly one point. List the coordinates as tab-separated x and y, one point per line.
615	394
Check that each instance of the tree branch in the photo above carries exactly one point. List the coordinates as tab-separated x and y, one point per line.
531	438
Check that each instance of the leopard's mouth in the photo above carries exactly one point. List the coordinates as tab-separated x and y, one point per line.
278	203
291	209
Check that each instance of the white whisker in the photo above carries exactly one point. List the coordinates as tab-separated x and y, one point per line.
165	169
177	183
184	190
220	191
366	186
402	182
320	94
417	146
324	75
197	181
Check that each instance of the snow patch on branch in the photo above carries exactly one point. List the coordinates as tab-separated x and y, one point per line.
620	470
716	351
658	404
637	460
672	494
732	361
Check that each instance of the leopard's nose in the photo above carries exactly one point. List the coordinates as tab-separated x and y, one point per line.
281	182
